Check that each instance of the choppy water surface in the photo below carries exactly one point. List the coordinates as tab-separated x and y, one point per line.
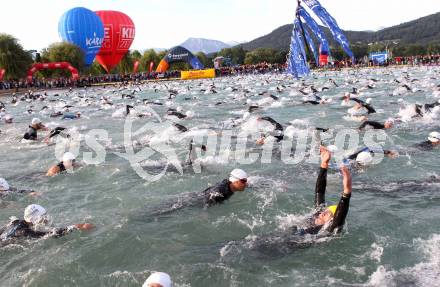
392	235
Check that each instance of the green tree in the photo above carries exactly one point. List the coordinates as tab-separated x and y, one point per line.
95	69
126	64
264	55
337	53
359	51
236	54
63	52
433	49
13	58
179	66
136	55
204	60
148	57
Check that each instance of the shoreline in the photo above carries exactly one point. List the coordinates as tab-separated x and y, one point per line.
19	91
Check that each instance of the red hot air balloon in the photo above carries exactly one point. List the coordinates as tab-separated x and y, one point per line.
119	31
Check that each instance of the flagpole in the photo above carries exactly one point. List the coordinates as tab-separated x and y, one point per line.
302	29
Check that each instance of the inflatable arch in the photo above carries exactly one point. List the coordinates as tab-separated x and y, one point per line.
176	55
51	66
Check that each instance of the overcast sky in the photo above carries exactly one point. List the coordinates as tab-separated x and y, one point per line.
166	23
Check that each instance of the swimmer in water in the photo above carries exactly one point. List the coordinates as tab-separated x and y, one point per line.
68	163
34	216
223	190
331	218
8	119
432	142
278	132
366	105
213	195
428	107
56	131
376	125
325	220
6	189
191	155
158	279
36	125
364	156
71	116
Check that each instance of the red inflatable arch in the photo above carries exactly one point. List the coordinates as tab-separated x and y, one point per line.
52	66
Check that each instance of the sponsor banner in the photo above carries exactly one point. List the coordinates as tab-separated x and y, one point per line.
197	74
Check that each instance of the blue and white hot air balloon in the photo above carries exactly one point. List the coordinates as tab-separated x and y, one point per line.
83	28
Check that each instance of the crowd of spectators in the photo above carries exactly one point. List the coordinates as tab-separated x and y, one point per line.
429	60
262	68
84	81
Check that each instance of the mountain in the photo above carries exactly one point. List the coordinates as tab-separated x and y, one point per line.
421	31
204	45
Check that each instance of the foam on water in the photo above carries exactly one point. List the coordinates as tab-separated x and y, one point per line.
425	273
235	243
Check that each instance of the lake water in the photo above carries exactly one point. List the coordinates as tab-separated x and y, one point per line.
392	233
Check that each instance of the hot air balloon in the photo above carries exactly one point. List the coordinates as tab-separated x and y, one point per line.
83	28
119	31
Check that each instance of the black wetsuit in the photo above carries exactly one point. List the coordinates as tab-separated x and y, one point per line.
278	127
369	108
322	129
31	134
180	127
293	239
426	146
217	193
428	107
418	110
374	125
316	101
56	131
176	114
311	102
14	191
341	210
21	229
127	109
209	197
61	166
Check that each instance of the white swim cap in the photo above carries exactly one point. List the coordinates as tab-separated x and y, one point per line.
368	101
160	278
364	158
68	156
33	213
36	121
237	174
4	186
332	148
434	137
390	120
8	117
